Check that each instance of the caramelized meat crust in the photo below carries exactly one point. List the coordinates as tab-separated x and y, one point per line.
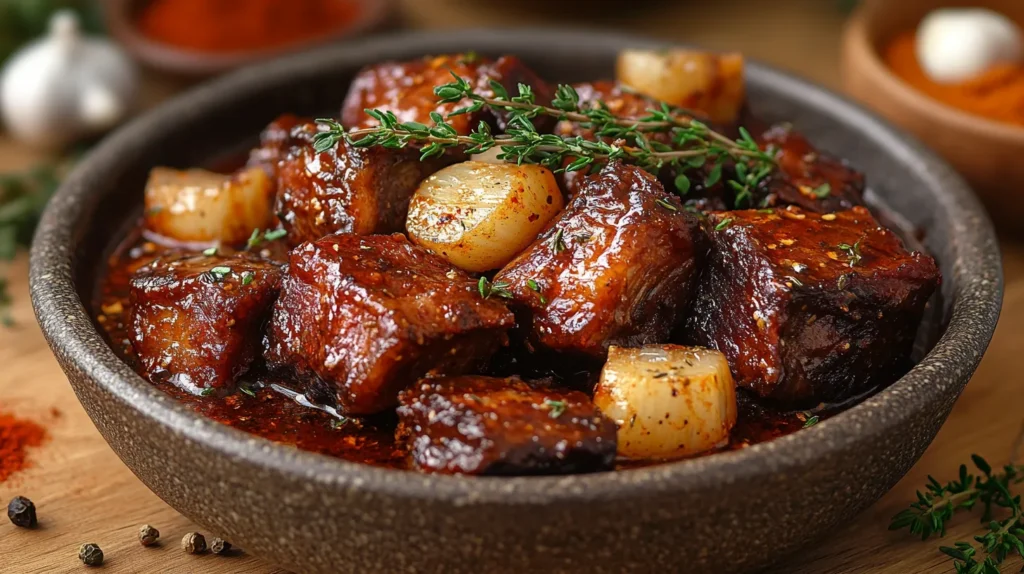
344	189
407	90
277	139
370	315
485	425
810	308
804	174
615	268
196	320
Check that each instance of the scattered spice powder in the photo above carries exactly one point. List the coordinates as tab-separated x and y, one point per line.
997	94
242	25
16	436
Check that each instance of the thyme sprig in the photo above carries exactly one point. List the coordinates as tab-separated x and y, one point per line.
937	504
22	199
693	144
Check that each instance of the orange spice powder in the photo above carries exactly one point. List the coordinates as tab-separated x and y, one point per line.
997	94
16	436
242	25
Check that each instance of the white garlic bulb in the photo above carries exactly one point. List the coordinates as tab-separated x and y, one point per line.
956	44
66	86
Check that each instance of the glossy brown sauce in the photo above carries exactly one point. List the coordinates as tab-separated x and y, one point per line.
273	416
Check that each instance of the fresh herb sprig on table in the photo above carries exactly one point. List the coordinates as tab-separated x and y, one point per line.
992	490
693	144
22	199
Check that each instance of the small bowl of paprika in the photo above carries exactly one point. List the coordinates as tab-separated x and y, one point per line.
977	124
196	38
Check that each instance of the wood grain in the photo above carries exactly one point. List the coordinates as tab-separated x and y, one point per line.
85	494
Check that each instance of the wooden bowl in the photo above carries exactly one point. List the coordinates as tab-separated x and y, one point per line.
987	153
732	512
121	20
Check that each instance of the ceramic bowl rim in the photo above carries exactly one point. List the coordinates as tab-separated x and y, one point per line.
73	337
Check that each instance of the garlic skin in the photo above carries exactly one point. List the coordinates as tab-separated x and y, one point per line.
957	44
66	86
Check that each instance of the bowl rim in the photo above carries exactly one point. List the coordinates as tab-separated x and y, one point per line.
857	40
942	373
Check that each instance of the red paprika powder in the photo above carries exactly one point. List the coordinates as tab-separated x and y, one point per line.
242	25
16	436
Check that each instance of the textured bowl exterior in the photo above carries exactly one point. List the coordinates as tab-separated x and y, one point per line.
730	512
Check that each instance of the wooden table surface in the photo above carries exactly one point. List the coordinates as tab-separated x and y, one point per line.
85	494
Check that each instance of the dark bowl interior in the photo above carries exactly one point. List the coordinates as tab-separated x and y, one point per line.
313	513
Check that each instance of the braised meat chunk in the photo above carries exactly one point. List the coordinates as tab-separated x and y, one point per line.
407	89
485	425
617	267
277	140
810	308
345	189
196	320
807	177
370	315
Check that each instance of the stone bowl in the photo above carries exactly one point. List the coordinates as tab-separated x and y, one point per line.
728	512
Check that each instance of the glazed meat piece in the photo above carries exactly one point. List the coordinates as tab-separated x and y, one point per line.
617	267
485	425
807	177
344	189
277	139
196	320
370	315
407	89
810	308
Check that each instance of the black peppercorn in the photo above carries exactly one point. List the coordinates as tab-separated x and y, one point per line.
90	554
22	512
220	546
193	543
148	535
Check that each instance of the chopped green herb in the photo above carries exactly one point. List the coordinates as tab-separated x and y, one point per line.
555	408
208	391
338	423
257	238
811	421
533	286
841	282
666	204
822	191
247	277
499	289
220	272
245	389
852	251
795	281
210	252
558	242
723	224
